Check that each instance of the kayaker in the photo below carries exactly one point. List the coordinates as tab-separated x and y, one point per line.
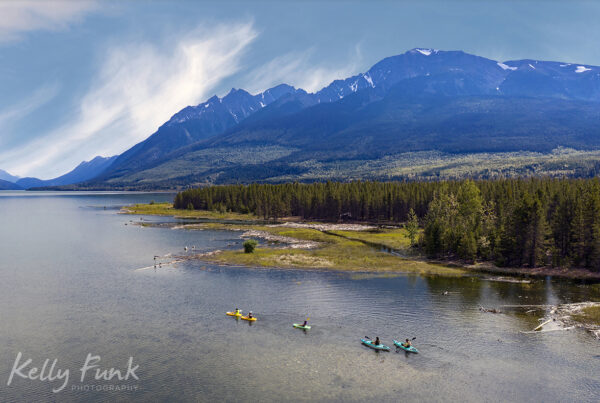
237	311
377	342
250	315
407	343
305	323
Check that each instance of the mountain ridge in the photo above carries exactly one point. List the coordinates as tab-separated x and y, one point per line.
5	176
86	170
423	99
193	123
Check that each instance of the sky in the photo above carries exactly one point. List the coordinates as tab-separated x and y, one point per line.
85	78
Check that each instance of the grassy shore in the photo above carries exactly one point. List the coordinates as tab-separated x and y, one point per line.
338	249
166	209
396	238
334	252
588	316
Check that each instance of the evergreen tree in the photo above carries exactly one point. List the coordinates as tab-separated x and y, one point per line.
412	226
515	222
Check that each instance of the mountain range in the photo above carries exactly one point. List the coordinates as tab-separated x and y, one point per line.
5	176
83	172
421	101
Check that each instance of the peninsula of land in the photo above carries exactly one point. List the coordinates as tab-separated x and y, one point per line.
361	247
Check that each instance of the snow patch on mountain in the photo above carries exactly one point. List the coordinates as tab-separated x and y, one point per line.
425	52
505	66
581	69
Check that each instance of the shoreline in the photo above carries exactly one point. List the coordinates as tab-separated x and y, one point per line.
390	248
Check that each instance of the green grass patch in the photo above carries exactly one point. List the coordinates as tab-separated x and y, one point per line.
589	315
305	234
390	238
166	209
335	252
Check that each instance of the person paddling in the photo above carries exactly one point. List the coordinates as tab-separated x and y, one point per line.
407	343
305	323
250	315
377	342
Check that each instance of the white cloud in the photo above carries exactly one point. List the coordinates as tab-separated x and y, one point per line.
19	17
296	68
139	87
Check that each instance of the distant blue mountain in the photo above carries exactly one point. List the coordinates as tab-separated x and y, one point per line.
29	182
6	185
5	176
83	172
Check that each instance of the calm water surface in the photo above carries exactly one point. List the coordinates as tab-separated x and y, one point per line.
70	285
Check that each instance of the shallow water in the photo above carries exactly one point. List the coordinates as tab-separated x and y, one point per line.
69	286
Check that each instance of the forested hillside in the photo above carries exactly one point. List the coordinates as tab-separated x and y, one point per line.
513	222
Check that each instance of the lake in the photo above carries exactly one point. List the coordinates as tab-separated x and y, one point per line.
77	278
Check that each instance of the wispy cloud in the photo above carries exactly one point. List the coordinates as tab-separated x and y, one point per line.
297	69
20	16
24	107
138	87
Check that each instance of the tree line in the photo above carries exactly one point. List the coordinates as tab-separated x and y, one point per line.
513	222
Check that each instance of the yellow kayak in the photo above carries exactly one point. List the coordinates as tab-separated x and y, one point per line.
236	314
249	319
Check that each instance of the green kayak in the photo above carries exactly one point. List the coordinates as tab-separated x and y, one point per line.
410	349
374	346
299	326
